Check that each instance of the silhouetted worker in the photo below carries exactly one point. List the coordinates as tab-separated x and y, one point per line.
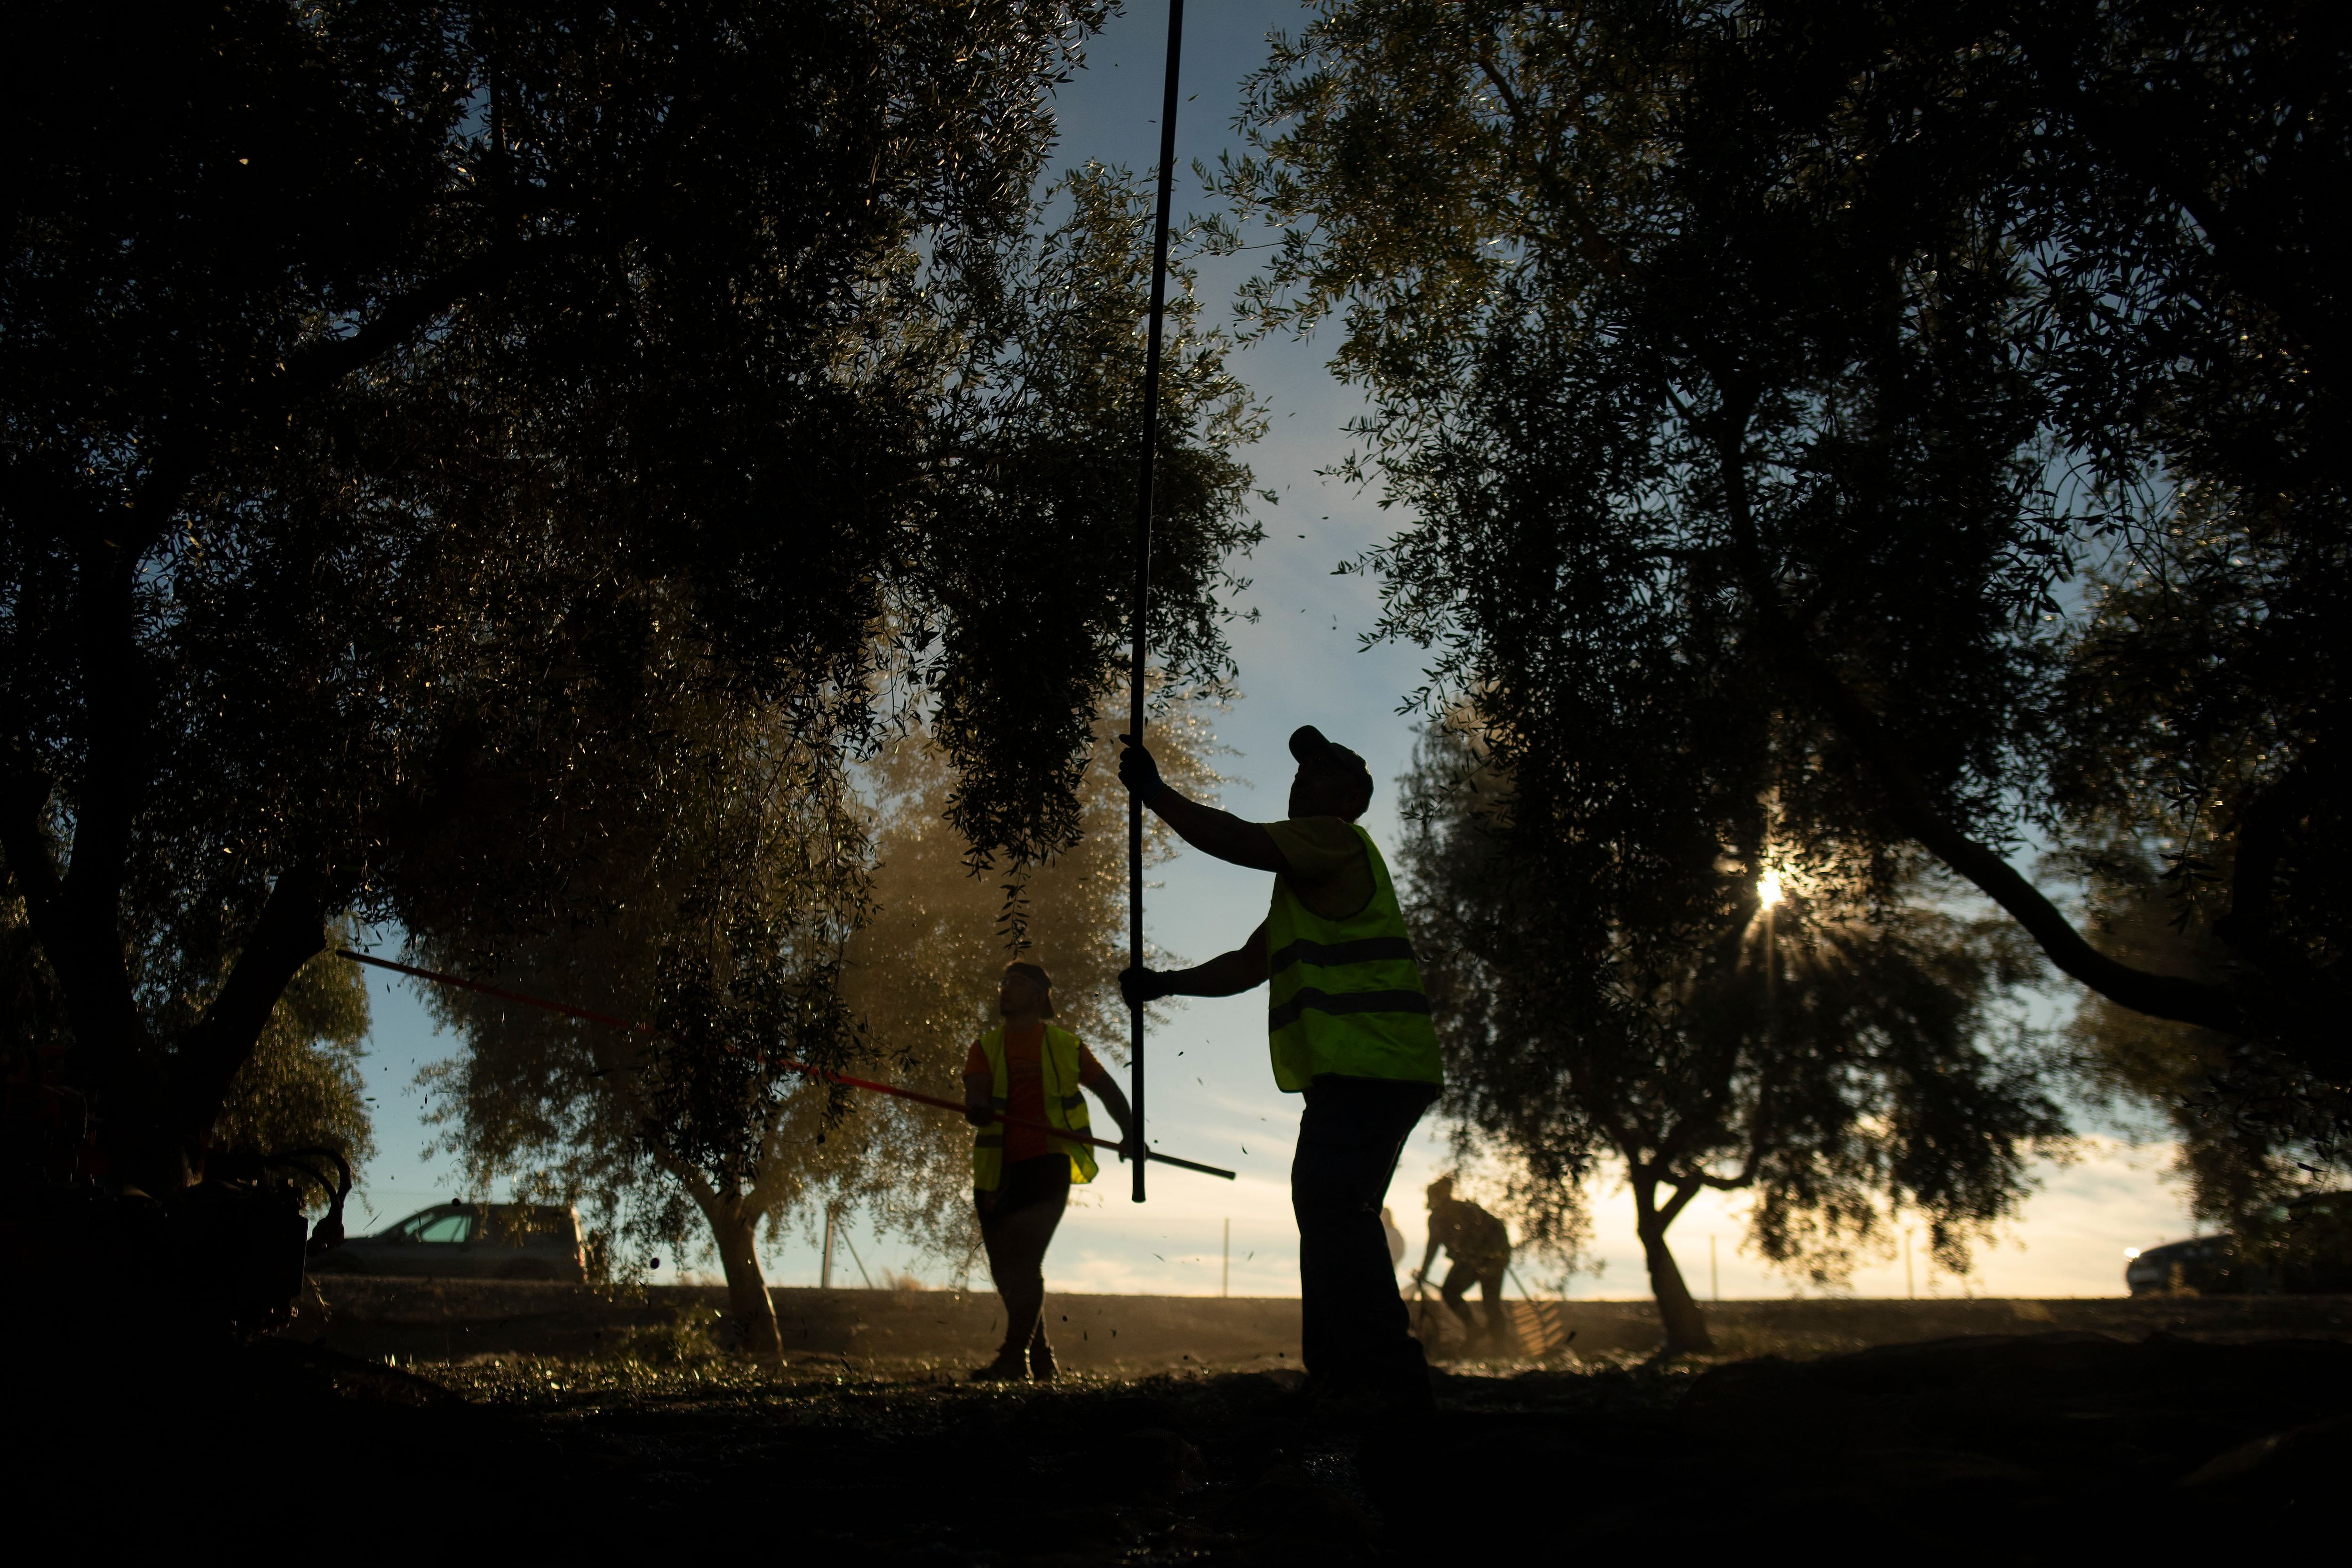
1350	1027
1021	1079
1479	1246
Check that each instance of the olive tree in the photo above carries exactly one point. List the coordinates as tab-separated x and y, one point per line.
733	905
387	393
870	910
1841	1058
1758	379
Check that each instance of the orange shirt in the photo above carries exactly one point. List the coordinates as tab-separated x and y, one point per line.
1025	1094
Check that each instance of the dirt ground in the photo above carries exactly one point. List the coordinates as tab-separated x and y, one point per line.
2037	1448
463	1319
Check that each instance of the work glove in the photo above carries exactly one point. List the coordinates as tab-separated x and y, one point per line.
1140	986
1139	771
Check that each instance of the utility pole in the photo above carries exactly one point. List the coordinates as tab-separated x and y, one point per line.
825	1273
1910	1292
1714	1281
1225	1275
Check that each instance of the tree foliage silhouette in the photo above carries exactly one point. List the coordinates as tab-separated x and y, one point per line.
701	1135
1761	378
403	408
1842	1060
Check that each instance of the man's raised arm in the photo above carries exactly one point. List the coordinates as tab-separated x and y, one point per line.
1227	975
1205	828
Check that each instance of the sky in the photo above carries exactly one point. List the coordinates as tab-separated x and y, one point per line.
1301	661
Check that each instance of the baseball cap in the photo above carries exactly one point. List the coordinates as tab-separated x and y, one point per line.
1312	751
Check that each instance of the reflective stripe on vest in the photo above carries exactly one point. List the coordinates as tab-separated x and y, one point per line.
1345	996
1057	1058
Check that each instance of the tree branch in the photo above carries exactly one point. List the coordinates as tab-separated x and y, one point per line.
181	452
114	759
1495	77
2134	140
2263	819
1912	807
292	930
22	793
698	1187
85	955
1604	252
1684	1190
327	360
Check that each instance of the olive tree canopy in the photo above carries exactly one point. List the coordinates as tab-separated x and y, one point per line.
1759	378
1844	1061
735	906
401	406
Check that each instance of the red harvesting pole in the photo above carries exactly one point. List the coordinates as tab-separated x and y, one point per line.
824	1074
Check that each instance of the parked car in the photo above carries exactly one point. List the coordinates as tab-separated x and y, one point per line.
469	1241
2299	1248
2206	1266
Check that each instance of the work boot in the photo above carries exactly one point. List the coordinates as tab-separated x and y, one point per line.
1010	1366
1041	1358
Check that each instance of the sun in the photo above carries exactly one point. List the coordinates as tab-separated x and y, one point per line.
1768	889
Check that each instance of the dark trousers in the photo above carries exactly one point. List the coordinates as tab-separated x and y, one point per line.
1016	1223
1488	1277
1353	1321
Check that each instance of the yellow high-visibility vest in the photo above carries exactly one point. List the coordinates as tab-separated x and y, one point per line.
1345	996
1066	1107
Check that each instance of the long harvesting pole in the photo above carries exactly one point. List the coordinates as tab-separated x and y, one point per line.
822	1074
1143	567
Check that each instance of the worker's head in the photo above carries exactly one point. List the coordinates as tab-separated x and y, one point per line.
1332	781
1026	989
1441	1191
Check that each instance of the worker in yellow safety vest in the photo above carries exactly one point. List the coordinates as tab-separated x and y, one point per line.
1349	1025
1020	1080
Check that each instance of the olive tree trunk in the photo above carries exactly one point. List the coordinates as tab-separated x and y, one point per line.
734	1222
155	1100
1678	1309
751	1309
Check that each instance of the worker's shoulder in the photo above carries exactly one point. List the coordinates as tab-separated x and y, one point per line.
1316	847
1466	1216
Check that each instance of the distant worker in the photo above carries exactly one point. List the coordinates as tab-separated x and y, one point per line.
1349	1025
1480	1247
1020	1080
1396	1238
